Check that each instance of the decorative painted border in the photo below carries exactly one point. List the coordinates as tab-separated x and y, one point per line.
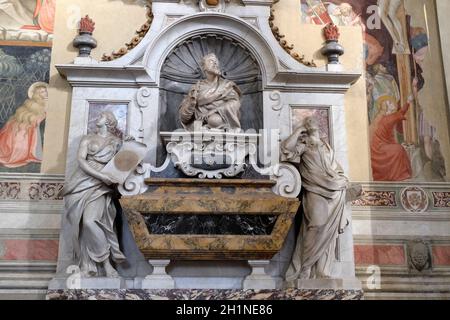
417	198
140	34
441	199
31	187
49	187
30	190
9	190
376	199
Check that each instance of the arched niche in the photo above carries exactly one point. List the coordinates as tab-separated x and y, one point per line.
182	69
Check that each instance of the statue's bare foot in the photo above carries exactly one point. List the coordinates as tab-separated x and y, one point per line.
110	271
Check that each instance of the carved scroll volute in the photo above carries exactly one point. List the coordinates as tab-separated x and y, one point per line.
135	183
289	181
143	101
277	103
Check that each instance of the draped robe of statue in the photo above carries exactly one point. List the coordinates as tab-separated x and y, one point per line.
324	197
94	241
205	99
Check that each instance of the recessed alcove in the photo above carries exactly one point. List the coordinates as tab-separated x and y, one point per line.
182	69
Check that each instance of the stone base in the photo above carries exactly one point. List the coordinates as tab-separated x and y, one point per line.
159	279
209	283
258	279
87	283
158	282
290	294
326	284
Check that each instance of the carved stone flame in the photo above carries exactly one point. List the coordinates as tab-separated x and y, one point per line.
87	25
331	32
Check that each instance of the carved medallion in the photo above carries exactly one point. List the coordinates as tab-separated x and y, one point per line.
419	256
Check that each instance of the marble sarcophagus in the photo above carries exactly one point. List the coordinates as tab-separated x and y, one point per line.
197	219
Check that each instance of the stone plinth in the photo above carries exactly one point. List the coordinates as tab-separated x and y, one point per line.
195	219
259	279
159	279
291	294
94	283
326	284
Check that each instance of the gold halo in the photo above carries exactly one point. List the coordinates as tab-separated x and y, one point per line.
385	98
33	87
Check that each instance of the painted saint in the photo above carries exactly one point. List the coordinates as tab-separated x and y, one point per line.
384	84
390	161
20	138
27	14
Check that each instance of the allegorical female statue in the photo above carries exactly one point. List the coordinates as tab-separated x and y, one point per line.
213	103
324	199
89	201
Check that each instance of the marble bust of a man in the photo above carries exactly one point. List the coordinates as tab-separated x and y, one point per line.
212	103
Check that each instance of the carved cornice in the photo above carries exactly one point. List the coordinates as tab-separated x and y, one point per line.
140	34
289	48
142	31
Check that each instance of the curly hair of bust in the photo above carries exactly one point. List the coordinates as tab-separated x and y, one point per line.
208	57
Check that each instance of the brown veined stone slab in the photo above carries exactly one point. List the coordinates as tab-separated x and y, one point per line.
195	196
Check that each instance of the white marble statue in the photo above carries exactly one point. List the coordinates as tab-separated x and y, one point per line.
214	103
89	203
324	198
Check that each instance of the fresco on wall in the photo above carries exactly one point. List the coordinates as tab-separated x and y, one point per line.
405	95
27	20
24	74
26	28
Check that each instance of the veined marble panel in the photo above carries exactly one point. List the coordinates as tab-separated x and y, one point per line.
204	295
